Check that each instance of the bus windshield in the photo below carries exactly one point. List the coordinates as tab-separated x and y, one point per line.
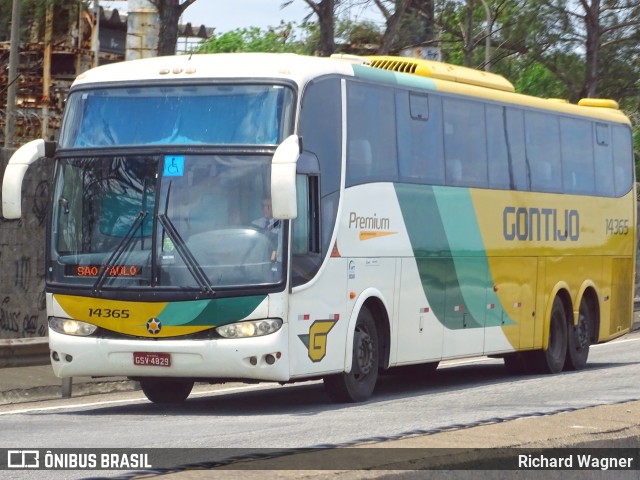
237	114
196	221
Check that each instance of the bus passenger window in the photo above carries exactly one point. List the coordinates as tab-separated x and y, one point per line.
360	159
371	120
520	174
622	159
465	145
577	156
420	151
498	160
604	161
543	152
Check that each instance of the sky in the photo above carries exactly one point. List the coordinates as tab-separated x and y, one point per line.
226	15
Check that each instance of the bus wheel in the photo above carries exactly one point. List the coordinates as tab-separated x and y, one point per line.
358	385
552	359
579	338
165	390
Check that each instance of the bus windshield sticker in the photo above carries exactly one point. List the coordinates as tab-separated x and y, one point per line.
173	166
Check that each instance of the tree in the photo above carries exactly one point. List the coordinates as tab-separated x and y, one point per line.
325	11
570	38
170	12
274	39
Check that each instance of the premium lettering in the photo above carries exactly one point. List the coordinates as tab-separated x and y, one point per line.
369	223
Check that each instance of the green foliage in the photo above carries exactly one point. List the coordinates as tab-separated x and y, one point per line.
280	39
357	38
535	79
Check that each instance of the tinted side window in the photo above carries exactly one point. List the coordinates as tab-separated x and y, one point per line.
622	159
543	152
516	149
577	156
603	157
371	137
497	148
320	127
465	146
420	151
321	131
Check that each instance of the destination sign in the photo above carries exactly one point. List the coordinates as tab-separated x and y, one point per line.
95	270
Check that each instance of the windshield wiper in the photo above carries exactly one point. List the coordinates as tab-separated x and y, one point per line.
190	261
119	250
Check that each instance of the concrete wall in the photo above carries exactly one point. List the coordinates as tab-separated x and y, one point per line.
22	262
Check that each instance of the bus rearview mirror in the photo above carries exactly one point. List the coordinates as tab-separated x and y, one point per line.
14	175
283	179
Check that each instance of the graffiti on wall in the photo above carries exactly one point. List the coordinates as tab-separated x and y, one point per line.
22	296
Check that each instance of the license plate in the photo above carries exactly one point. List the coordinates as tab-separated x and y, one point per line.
152	359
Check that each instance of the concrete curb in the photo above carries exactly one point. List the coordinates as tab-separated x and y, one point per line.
54	392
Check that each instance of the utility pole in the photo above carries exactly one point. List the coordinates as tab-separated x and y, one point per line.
95	39
10	126
46	70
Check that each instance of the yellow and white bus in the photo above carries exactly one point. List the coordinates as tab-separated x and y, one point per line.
421	212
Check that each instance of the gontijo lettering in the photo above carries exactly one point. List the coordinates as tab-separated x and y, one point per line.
540	224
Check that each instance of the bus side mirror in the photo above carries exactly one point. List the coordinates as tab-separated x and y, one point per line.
14	175
283	179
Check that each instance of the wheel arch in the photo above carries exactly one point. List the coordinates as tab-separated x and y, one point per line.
373	299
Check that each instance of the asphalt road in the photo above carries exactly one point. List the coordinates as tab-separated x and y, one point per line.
467	404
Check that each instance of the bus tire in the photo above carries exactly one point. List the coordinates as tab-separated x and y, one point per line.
166	391
358	384
579	338
552	359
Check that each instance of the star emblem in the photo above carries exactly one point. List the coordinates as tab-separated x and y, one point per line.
154	326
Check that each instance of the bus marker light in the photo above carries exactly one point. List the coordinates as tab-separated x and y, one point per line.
352	295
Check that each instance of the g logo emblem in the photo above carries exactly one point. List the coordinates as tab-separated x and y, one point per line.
316	340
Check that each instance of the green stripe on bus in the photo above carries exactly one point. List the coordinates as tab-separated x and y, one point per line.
393	78
216	312
450	254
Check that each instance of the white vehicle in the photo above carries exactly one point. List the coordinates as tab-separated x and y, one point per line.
415	217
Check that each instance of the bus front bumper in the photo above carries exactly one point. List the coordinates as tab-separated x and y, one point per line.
258	358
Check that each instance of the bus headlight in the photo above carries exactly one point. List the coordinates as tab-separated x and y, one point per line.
255	328
68	326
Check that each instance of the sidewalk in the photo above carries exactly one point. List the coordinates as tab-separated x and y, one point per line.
30	384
